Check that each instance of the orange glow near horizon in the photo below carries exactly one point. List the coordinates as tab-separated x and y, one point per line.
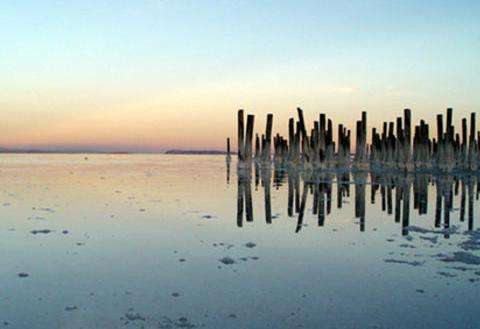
193	118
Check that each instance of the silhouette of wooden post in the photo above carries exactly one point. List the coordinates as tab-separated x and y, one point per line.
449	139
364	136
303	131
291	138
407	118
464	143
241	136
358	140
322	138
268	136
249	137
472	147
440	142
228	149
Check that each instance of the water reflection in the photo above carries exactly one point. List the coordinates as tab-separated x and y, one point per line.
314	187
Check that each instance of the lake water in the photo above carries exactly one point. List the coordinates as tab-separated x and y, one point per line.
172	241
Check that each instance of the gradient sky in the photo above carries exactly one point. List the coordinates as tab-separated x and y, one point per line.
151	75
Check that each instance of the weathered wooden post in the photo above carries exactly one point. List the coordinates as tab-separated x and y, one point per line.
398	153
241	136
407	115
364	136
472	147
268	136
358	142
303	131
291	138
249	137
440	142
228	149
322	137
464	143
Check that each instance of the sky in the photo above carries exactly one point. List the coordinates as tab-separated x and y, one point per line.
153	75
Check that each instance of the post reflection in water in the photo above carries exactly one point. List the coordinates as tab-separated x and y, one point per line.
395	189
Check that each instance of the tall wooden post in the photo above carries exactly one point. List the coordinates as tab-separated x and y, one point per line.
241	136
407	115
268	136
249	137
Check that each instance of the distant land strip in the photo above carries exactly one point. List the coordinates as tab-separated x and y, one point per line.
89	151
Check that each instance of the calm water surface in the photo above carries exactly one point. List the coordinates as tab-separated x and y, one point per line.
157	241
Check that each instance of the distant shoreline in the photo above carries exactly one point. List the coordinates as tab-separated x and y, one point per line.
198	152
170	152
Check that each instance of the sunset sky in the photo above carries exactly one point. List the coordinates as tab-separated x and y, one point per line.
153	75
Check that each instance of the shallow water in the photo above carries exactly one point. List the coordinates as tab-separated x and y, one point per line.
158	241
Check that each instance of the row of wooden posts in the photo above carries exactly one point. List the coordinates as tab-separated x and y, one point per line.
392	147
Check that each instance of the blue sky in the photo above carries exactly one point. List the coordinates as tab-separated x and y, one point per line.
128	67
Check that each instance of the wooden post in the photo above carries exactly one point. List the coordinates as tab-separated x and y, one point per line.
449	127
440	142
241	136
464	143
407	115
268	135
358	141
303	130
291	137
472	147
249	137
472	127
228	148
364	135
